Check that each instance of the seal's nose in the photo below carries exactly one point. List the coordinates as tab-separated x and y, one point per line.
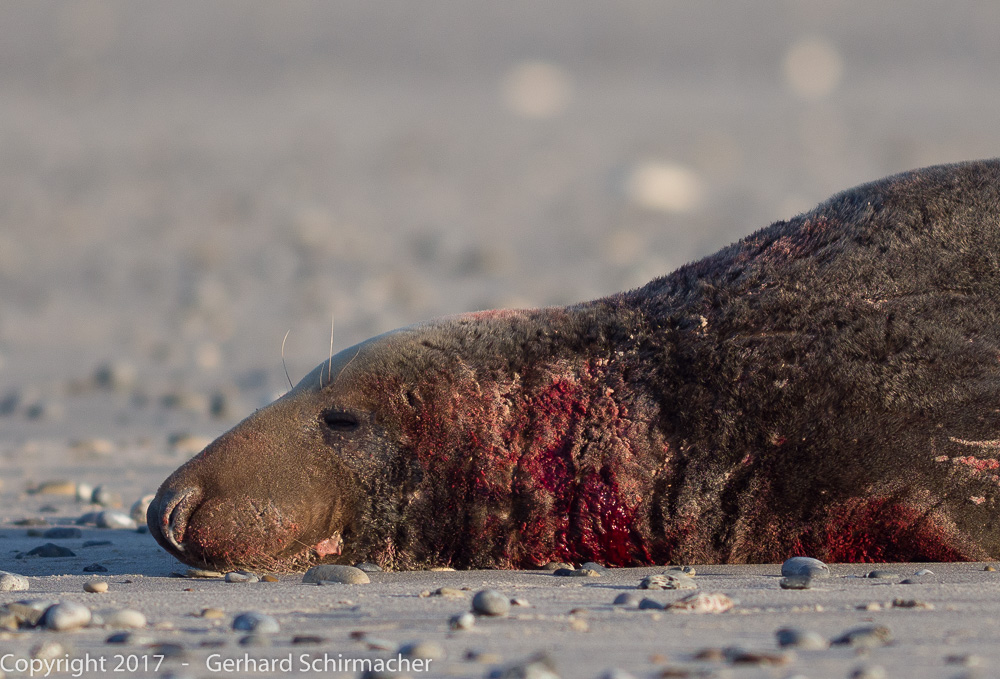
168	514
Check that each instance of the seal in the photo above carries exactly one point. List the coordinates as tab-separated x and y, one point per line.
828	386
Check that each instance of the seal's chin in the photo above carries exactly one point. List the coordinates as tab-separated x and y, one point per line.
235	533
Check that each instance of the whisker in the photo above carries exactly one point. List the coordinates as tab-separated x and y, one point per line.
290	385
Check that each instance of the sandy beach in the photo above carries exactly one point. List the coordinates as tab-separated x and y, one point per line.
182	184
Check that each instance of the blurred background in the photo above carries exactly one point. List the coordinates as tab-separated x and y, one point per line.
181	183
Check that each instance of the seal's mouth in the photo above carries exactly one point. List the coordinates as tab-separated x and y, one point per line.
333	545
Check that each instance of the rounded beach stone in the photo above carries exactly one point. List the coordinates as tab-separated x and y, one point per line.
62	533
139	507
95	586
111	518
12	582
879	573
241	576
462	621
675	580
66	615
125	619
627	599
490	602
806	640
252	621
805	565
795	582
346	575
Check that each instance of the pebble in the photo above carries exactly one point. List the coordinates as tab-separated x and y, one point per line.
212	613
97	543
686	570
49	650
449	593
923	571
869	672
105	497
867	636
882	574
368	567
804	565
462	621
12	582
139	507
255	639
490	602
51	551
241	576
702	602
539	666
130	638
742	656
115	376
594	566
675	580
991	569
648	604
199	573
346	575
114	519
428	650
795	582
583	573
31	611
95	586
912	603
302	639
31	521
84	491
55	488
66	615
252	621
564	572
126	619
519	601
269	578
95	568
806	640
62	533
557	565
629	599
87	519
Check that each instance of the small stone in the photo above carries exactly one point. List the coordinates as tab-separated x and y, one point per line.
870	606
676	580
345	575
741	656
519	601
804	565
115	376
923	571
490	602
482	657
125	619
882	574
579	625
866	636
912	603
869	672
462	621
301	639
991	569
795	582
710	655
966	659
138	511
539	666
557	565
594	566
31	611
95	568
95	586
51	551
199	573
368	567
84	491
269	578
87	519
806	640
702	602
212	613
105	497
630	599
49	650
111	518
648	604
66	615
428	650
252	621
31	521
130	638
449	593
564	572
585	573
62	533
12	582
97	543
255	639
686	570
241	576
168	650
55	488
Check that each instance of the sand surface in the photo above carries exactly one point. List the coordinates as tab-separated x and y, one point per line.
181	183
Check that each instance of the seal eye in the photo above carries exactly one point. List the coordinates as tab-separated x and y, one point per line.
339	420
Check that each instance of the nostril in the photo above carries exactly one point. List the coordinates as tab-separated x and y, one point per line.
174	509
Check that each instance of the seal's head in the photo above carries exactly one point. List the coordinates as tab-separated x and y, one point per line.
462	441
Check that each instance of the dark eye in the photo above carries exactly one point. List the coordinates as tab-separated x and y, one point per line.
339	420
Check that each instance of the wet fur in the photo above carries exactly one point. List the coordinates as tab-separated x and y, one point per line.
829	386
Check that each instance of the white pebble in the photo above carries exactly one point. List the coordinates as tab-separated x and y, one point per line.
12	582
66	615
125	619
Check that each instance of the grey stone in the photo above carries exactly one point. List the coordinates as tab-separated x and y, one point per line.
490	602
252	621
345	575
805	565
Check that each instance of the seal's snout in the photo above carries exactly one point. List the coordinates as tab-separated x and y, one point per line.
168	516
